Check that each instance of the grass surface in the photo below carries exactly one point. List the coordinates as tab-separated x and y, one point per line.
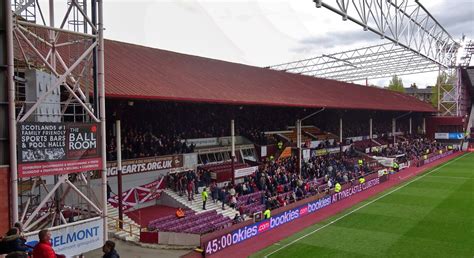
430	216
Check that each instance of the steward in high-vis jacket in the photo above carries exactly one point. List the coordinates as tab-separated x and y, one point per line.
204	198
267	213
396	167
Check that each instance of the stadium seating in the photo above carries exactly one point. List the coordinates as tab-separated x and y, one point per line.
192	223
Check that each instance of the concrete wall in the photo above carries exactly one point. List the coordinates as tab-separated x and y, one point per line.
171	238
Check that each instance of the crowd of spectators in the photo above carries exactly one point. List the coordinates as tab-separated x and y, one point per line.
151	129
411	148
278	181
161	128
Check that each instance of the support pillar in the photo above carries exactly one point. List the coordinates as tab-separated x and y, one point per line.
394	128
298	144
424	125
11	113
232	132
370	129
101	84
410	126
340	130
118	140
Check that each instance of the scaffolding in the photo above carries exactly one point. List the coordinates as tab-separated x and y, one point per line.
68	52
417	43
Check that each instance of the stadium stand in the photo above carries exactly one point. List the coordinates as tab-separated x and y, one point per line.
191	102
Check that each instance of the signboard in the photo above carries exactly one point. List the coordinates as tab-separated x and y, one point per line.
139	194
74	240
449	136
384	161
239	235
306	154
245	171
263	151
202	142
57	148
431	159
443	136
133	166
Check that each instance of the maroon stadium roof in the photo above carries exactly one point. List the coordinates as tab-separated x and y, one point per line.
138	72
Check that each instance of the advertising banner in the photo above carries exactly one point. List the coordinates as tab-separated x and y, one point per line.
456	136
441	136
74	240
139	194
250	231
245	171
384	161
319	152
306	154
202	142
449	136
428	160
57	148
132	166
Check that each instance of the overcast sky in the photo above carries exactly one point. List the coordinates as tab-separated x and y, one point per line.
260	32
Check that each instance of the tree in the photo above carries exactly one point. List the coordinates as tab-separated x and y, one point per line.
444	80
396	84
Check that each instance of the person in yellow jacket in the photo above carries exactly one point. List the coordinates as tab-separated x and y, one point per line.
204	198
361	180
337	187
361	162
267	213
396	167
280	145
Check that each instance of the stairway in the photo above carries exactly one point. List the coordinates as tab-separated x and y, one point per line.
196	205
113	212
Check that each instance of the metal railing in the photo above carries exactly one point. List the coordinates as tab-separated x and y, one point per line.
126	226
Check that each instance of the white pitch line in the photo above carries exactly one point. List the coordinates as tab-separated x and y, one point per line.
345	215
455	177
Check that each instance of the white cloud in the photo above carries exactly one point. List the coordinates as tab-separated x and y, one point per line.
256	32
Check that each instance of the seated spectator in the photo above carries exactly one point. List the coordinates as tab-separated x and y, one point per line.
237	218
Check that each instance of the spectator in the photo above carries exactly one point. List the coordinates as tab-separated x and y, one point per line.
44	249
109	250
13	242
237	218
17	254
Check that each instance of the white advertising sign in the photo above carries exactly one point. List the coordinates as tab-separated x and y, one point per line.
441	136
384	161
75	239
263	151
245	171
306	154
203	142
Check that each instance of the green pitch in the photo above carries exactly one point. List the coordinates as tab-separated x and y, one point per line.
430	216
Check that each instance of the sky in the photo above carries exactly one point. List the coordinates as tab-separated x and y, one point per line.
260	32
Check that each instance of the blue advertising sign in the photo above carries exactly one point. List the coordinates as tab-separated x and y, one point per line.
456	136
250	231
